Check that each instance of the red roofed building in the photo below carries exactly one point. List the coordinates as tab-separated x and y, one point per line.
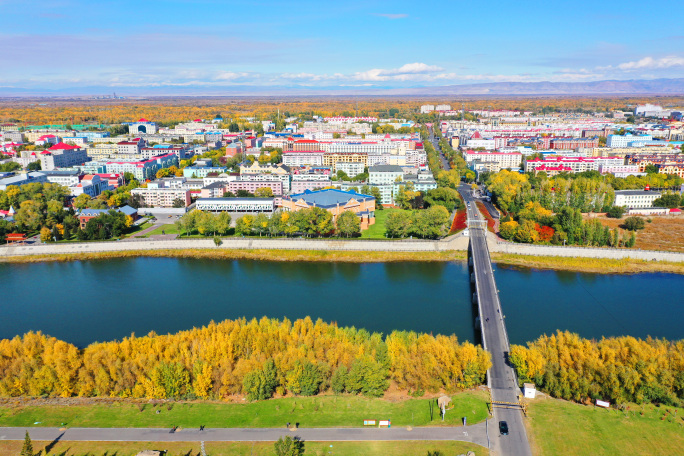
62	155
47	139
552	171
305	145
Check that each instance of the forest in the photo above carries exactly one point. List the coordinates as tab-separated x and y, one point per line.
617	369
256	358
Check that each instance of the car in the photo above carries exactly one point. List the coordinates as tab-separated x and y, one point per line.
503	428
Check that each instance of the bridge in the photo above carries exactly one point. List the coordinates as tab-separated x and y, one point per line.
501	379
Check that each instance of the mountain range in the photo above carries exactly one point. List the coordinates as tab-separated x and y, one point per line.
602	88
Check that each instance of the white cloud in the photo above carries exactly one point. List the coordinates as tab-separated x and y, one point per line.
408	72
648	63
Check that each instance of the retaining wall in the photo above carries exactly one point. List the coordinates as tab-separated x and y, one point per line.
496	245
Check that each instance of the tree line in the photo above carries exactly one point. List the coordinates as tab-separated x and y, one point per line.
256	358
616	369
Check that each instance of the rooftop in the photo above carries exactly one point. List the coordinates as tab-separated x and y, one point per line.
329	197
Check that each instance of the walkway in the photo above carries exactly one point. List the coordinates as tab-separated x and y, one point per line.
501	378
475	434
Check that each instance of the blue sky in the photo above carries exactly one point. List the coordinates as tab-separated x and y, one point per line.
315	44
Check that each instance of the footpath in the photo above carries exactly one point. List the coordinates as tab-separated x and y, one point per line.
476	433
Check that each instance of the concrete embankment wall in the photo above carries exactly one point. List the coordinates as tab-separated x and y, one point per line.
585	252
451	243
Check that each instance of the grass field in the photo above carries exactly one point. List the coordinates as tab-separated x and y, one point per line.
168	229
663	233
406	448
569	429
377	230
596	265
322	411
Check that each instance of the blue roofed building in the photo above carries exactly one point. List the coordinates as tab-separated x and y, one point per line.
335	202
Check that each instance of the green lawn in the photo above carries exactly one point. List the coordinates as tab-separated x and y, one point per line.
384	448
322	411
377	230
565	428
168	229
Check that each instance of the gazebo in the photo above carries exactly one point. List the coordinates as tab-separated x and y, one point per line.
14	238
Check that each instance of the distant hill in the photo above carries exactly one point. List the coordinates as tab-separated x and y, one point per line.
650	87
614	87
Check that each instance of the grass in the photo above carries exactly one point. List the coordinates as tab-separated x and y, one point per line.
168	229
377	230
663	233
354	256
565	428
321	411
381	448
597	265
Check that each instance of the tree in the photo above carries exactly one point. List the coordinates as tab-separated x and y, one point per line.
348	224
35	166
443	196
634	223
223	223
27	448
398	224
651	169
508	229
244	224
260	384
82	201
669	200
263	192
616	212
45	234
228	195
30	215
338	381
244	194
178	203
288	446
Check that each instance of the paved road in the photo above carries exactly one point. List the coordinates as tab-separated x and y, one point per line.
476	434
501	378
442	158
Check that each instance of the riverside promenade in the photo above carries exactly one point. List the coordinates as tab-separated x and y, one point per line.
450	243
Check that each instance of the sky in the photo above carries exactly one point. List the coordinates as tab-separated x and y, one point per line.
343	45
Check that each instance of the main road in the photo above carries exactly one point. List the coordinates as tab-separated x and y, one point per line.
501	377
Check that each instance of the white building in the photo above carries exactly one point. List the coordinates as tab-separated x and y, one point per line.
238	205
351	168
426	109
63	178
384	174
22	179
627	140
162	197
142	126
91	185
635	198
499	160
303	158
62	156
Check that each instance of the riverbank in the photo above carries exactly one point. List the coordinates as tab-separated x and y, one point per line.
592	265
342	256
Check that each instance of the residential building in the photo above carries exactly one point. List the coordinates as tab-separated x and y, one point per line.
499	160
351	168
142	169
65	178
303	158
627	140
251	186
128	147
384	174
162	197
91	185
200	172
332	158
62	155
22	179
301	185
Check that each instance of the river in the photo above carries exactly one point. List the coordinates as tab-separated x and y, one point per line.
100	300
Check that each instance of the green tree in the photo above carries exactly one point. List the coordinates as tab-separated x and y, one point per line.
304	379
634	223
338	381
263	192
178	203
430	223
27	448
616	212
223	223
348	224
368	377
289	446
260	384
443	196
398	224
669	200
244	225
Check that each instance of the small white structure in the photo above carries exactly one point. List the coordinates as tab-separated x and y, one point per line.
529	390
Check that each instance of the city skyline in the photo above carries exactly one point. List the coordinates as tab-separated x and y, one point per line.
191	47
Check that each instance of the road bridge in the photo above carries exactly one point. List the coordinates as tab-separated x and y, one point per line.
501	378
